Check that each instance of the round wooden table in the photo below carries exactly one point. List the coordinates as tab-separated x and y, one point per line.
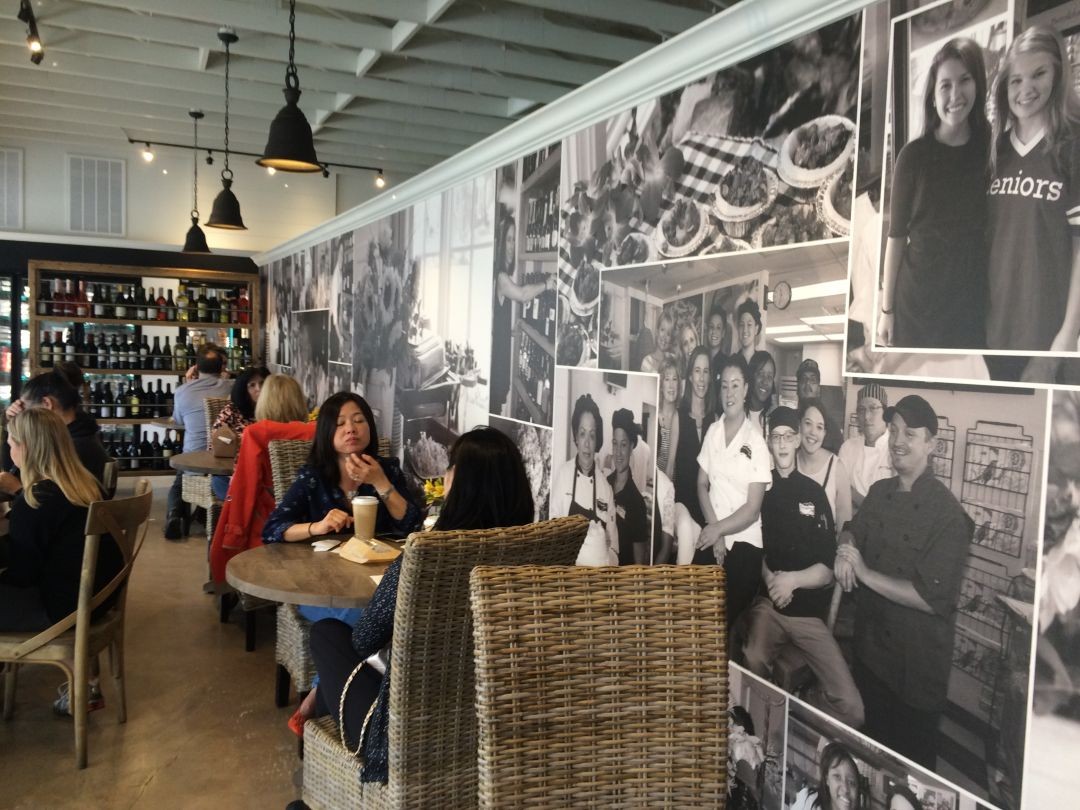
297	574
202	461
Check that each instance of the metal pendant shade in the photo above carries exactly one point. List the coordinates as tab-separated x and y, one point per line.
226	211
290	147
195	241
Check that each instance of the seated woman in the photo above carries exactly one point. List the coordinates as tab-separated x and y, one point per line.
237	415
281	413
48	530
486	487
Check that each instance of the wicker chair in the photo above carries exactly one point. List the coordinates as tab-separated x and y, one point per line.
292	649
75	640
601	687
433	732
195	489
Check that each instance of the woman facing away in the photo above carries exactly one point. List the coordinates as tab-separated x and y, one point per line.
1034	205
933	293
237	415
486	487
40	585
814	461
734	468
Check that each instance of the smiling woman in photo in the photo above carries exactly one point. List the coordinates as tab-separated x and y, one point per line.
934	289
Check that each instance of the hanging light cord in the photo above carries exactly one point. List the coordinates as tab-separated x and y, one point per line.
195	172
291	78
226	169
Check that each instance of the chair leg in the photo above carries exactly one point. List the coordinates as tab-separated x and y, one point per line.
281	686
116	664
228	602
11	671
78	689
249	630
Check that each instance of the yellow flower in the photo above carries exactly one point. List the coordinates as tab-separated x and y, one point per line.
313	415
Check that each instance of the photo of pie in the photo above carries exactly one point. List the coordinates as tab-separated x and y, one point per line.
814	152
682	229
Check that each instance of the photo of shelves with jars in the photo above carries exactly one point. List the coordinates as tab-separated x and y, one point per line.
535	260
135	332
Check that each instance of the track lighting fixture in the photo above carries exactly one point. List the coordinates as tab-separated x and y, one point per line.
380	181
33	39
148	154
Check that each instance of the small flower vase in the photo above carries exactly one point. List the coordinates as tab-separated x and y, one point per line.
379	393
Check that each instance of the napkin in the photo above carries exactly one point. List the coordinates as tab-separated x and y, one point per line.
325	545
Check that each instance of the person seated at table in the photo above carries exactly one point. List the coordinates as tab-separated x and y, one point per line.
485	487
47	529
343	463
280	413
52	391
237	415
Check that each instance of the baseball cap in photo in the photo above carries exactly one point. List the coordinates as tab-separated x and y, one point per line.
784	417
808	366
916	412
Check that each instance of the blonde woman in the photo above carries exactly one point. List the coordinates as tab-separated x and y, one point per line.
47	532
281	400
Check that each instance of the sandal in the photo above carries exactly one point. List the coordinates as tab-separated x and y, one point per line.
296	724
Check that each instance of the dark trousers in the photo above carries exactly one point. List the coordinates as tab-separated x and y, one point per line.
335	659
742	564
174	502
21	610
906	730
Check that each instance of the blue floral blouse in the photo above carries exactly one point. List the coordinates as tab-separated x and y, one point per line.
309	499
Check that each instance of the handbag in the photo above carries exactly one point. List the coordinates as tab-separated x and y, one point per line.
377	662
223	442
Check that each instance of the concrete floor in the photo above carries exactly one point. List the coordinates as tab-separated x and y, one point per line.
202	728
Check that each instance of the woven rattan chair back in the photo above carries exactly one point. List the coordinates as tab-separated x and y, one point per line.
287	456
384	447
212	408
433	732
601	687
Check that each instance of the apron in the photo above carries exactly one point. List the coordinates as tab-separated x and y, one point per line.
594	551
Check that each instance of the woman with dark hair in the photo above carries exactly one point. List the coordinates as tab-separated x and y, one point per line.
762	388
579	488
748	327
486	487
823	466
344	462
839	783
507	290
631	516
933	292
696	413
717	338
734	467
237	415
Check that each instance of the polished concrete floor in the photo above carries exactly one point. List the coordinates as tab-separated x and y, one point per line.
202	728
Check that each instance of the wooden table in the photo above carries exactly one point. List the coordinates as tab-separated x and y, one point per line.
202	461
297	574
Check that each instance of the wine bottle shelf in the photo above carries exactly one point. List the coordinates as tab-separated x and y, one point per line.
142	372
68	319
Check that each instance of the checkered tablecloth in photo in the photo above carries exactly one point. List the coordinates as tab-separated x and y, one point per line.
707	158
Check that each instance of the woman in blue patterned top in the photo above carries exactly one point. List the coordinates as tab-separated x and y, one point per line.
343	463
486	487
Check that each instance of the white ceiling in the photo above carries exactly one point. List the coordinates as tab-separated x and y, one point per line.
400	85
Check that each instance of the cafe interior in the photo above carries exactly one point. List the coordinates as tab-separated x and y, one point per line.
241	231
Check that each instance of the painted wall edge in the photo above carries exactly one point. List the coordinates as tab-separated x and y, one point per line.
743	31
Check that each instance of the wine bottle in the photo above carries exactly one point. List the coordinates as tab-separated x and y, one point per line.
139	295
133	450
182	303
144	354
243	307
213	307
120	403
105	402
135	400
82	303
169	397
202	306
45	351
89	357
102	359
180	362
162	305
120	310
155	452
157	361
117	359
170	308
99	302
151	305
69	347
44	298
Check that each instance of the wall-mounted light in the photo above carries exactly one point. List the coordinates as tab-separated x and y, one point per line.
147	154
33	40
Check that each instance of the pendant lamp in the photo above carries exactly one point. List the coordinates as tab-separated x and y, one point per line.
226	211
195	241
290	147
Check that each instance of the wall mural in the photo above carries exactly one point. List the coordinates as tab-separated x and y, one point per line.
586	298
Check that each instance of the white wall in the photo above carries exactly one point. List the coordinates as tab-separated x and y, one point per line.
158	204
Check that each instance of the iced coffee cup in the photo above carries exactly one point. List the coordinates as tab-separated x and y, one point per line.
364	509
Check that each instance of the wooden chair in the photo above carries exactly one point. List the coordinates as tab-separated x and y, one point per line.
601	687
108	477
72	642
433	730
292	648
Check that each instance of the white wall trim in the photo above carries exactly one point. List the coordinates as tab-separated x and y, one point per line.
104	241
743	31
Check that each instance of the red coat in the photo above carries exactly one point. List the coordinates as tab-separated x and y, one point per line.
250	499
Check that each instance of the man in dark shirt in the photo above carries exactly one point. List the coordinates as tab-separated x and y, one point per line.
905	552
798	535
